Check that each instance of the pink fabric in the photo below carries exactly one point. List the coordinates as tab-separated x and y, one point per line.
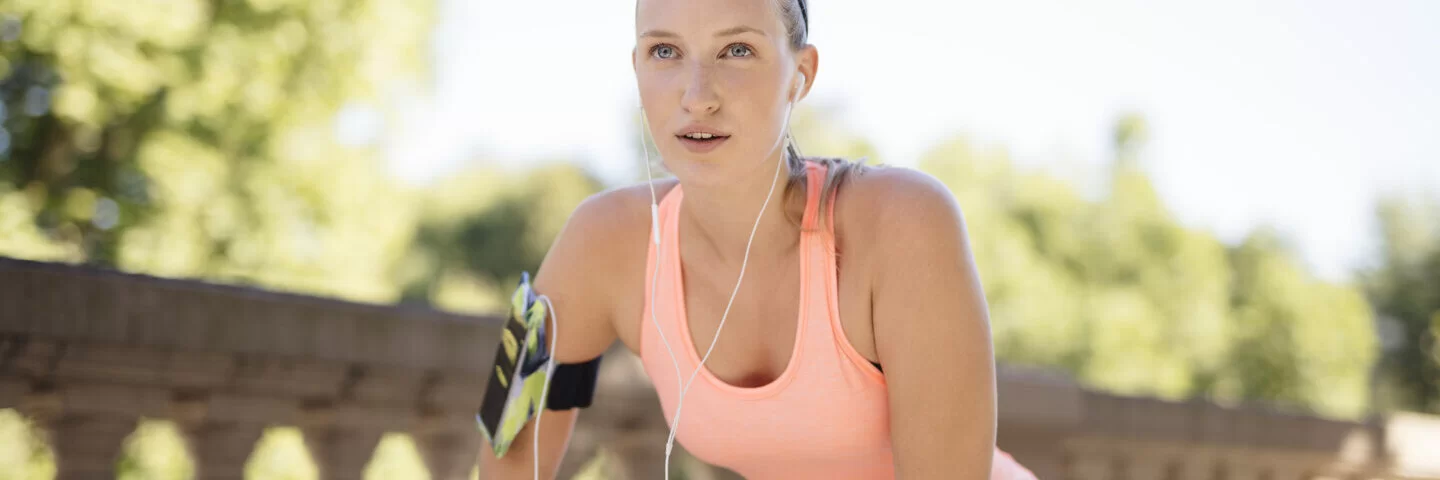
825	417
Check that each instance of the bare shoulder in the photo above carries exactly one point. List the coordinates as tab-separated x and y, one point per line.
599	260
605	236
617	218
928	318
892	203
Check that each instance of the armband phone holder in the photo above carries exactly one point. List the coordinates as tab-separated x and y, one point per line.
517	379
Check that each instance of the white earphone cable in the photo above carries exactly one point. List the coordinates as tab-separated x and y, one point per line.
680	404
545	391
745	261
654	277
659	248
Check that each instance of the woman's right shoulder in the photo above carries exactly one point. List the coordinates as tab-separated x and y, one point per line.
597	265
617	217
605	243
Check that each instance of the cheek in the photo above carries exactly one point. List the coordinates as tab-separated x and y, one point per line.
754	93
658	95
756	101
651	87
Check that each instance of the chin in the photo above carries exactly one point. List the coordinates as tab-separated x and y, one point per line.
727	161
708	169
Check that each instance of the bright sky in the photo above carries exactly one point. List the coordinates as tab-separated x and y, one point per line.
1293	113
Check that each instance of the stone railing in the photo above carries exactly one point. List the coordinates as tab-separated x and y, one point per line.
86	352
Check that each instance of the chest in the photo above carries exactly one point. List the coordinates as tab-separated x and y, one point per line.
758	340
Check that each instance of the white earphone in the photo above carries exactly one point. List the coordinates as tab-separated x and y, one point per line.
654	276
655	224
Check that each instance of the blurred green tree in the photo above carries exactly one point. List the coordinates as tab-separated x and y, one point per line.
281	455
231	141
155	451
1405	290
23	453
482	227
1298	340
1117	292
819	133
223	140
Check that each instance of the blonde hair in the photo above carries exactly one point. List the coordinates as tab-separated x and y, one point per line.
837	171
797	29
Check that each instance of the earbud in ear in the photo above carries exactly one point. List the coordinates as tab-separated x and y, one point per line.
795	95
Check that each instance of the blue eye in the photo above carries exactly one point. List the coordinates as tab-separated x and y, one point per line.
739	50
663	52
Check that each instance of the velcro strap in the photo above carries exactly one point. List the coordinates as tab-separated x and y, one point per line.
573	385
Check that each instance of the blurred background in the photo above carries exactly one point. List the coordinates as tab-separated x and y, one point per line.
1233	202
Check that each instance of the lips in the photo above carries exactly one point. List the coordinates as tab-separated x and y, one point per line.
695	145
700	139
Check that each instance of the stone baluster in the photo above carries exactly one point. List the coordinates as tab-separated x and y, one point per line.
221	449
340	453
449	455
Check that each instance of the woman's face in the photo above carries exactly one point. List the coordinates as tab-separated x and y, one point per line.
717	67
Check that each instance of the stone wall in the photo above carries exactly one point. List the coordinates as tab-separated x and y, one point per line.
86	352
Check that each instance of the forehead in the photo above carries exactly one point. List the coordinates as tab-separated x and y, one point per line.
704	17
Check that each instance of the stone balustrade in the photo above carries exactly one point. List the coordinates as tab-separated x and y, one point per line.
86	352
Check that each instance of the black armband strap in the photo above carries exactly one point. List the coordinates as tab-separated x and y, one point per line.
573	385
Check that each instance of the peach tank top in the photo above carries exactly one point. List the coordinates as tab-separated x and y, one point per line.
825	417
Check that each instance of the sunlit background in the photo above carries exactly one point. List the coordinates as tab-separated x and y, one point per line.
1230	200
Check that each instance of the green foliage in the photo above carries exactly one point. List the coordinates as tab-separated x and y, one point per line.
482	229
1405	289
818	134
396	458
155	451
191	138
195	138
1298	340
23	453
1117	292
281	455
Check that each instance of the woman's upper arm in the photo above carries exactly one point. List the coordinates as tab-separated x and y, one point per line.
573	276
931	330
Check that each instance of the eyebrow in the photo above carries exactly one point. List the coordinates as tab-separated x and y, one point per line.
723	33
738	30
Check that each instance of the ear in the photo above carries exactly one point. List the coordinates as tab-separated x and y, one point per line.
808	62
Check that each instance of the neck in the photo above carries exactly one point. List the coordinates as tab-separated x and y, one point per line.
721	216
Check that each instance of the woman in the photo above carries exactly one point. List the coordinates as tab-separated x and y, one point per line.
887	369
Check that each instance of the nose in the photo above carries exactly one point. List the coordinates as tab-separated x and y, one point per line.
700	97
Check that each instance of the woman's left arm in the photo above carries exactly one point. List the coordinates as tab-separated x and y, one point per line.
932	332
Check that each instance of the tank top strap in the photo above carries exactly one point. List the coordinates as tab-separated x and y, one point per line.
830	215
814	181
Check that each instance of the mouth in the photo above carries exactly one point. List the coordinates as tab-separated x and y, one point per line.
701	141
